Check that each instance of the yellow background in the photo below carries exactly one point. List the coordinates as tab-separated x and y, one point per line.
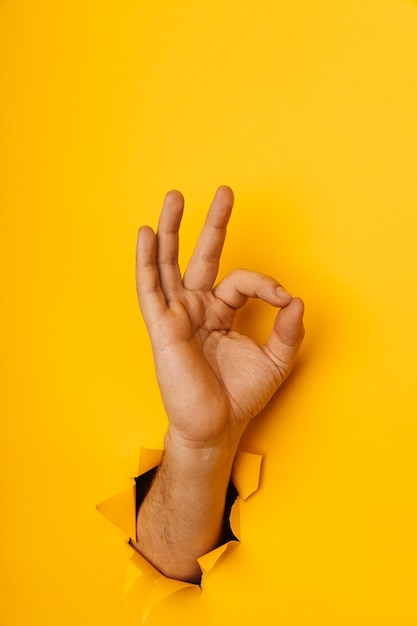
308	110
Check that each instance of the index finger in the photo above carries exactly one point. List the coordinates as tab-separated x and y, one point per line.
202	269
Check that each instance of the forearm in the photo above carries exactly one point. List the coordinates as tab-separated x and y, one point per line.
182	516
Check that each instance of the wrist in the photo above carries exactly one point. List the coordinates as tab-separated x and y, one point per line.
201	456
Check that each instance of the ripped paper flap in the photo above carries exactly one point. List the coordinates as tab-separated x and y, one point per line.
246	473
161	589
148	459
209	560
121	510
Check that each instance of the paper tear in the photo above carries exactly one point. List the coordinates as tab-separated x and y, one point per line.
209	560
148	459
121	511
246	473
161	589
140	563
132	576
234	518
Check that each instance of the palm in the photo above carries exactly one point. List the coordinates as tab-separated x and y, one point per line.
211	377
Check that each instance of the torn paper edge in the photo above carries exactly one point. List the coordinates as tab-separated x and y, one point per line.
121	511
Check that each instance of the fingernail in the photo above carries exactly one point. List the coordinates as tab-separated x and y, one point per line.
283	294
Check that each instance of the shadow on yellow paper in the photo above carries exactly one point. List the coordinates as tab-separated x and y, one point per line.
120	509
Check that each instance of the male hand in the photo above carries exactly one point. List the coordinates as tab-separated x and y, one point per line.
213	380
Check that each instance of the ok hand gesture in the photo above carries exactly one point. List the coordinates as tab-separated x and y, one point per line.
213	380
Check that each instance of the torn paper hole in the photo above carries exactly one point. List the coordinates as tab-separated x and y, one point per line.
246	473
121	510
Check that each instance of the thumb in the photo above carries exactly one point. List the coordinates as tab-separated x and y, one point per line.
286	336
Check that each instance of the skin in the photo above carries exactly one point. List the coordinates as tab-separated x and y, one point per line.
213	380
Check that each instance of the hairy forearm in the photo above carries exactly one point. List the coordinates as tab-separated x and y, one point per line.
182	516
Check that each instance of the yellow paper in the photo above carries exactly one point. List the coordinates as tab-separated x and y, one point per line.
208	561
118	509
246	472
235	518
148	459
132	575
121	510
161	589
308	110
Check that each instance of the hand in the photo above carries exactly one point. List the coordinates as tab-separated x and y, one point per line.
213	380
